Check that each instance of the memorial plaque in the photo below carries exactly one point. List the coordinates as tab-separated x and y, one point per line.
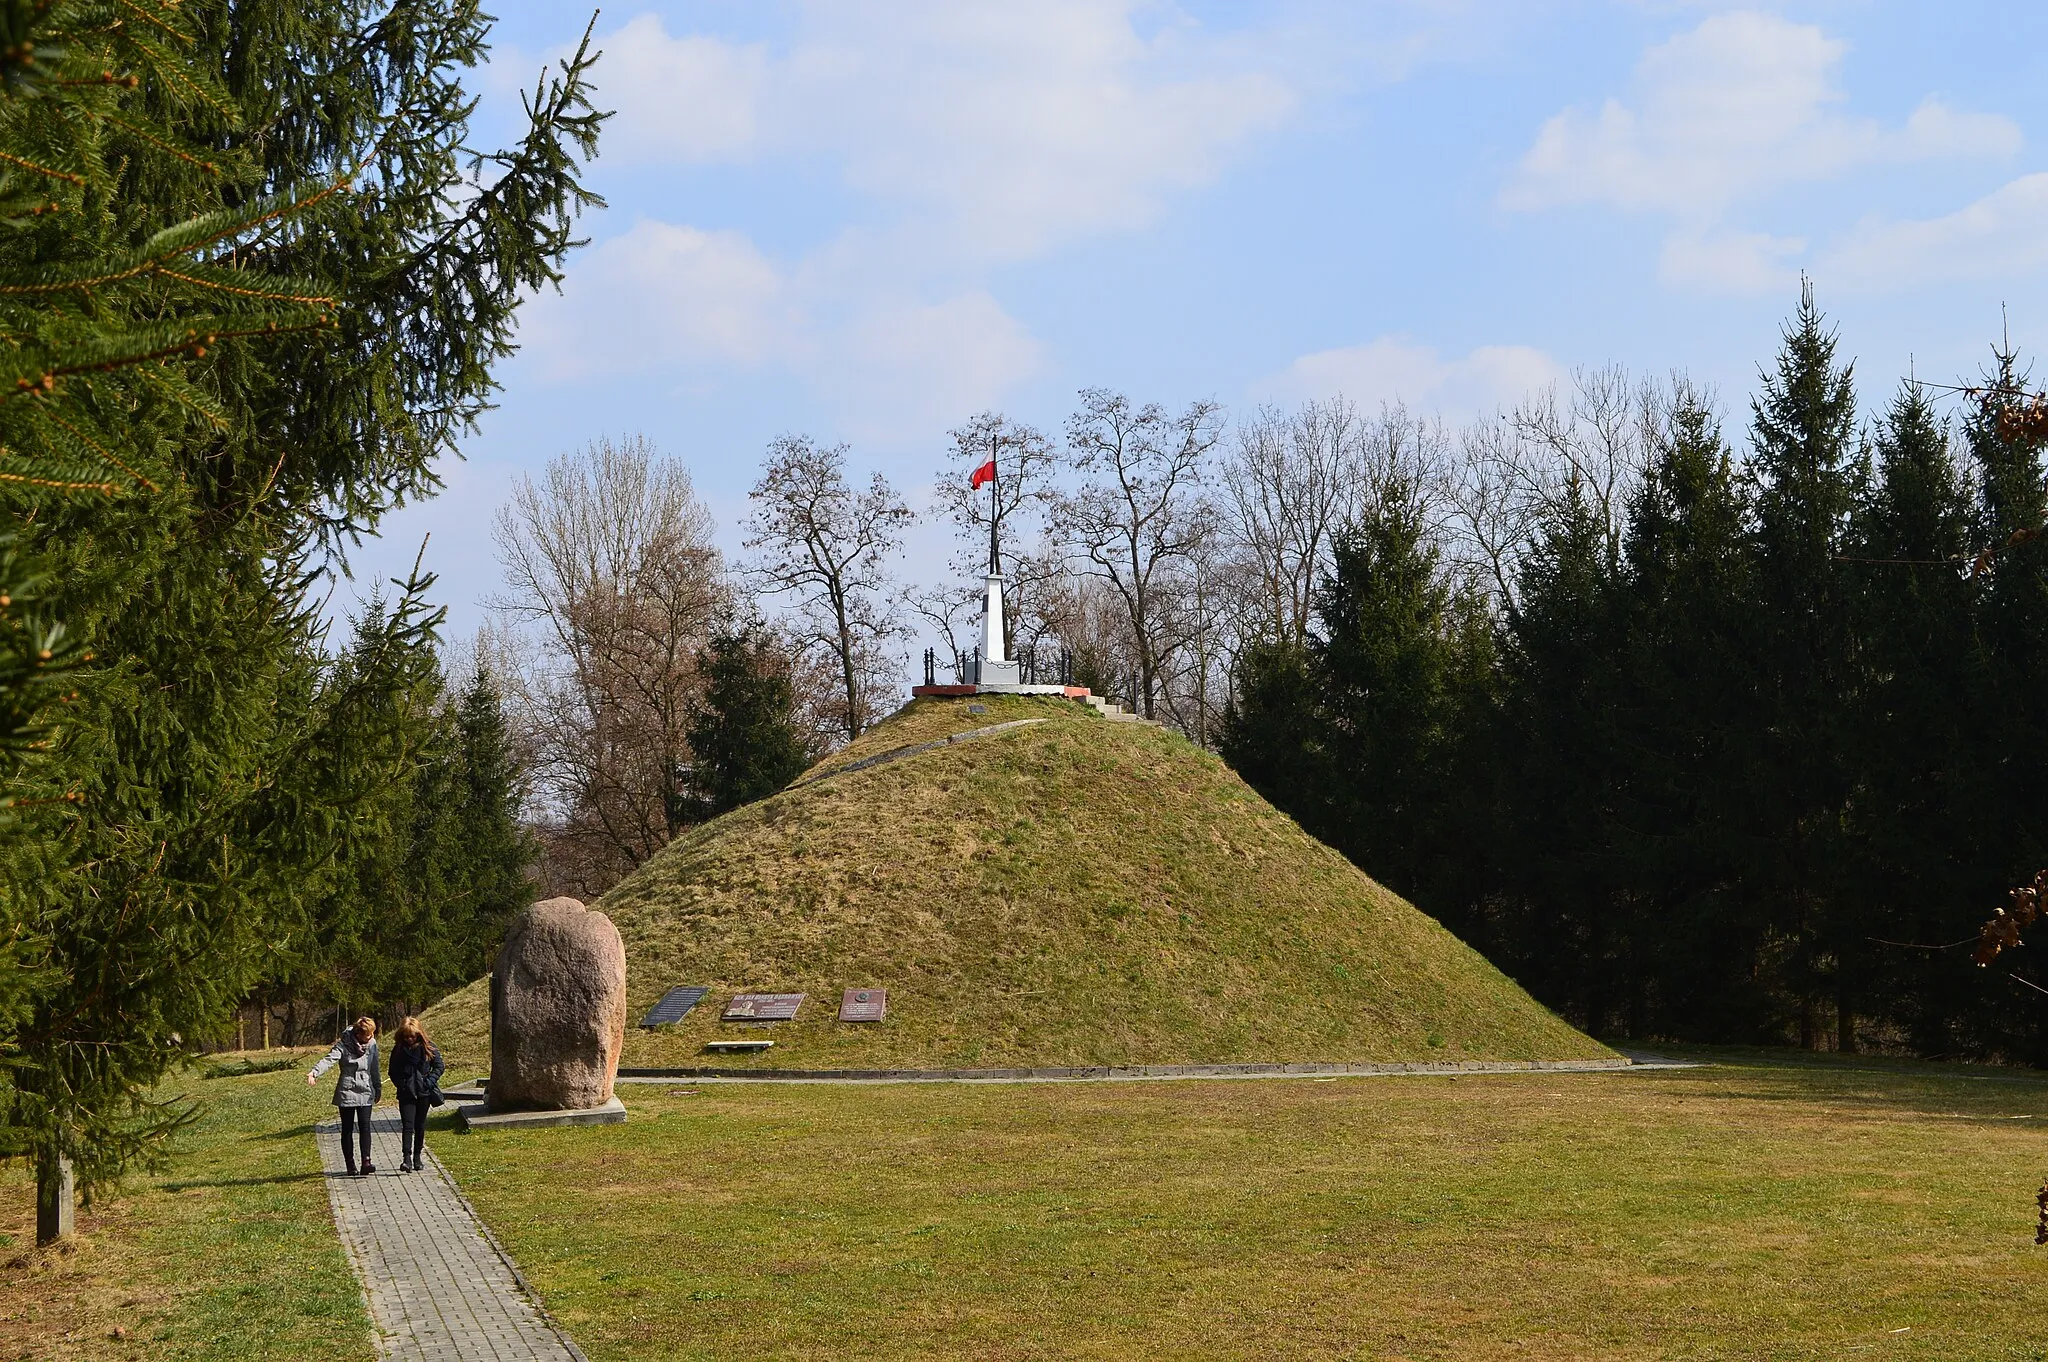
863	1004
763	1006
674	1006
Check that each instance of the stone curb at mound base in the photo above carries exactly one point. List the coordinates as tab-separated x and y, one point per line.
1113	1073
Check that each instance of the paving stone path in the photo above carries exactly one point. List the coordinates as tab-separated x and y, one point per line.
439	1288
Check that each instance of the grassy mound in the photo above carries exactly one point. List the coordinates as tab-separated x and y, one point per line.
1072	892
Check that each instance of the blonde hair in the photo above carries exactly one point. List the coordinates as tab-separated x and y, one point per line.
368	1026
411	1027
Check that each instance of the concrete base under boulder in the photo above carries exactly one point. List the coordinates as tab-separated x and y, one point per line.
606	1114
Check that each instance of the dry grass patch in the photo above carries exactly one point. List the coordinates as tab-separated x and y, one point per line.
1752	1211
226	1255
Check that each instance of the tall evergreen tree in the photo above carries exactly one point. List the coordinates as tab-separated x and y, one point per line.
2012	624
1272	733
1685	710
744	734
376	932
1387	661
1561	664
1916	749
497	850
1804	460
231	420
441	862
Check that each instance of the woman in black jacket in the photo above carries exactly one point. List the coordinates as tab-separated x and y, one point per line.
416	1068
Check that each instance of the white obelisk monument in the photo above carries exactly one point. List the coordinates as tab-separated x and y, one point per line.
996	667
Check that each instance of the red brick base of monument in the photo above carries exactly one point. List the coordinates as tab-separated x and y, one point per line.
928	692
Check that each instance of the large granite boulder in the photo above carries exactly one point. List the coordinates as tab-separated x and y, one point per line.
558	1010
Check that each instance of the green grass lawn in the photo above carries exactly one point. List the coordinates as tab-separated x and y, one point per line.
1770	1207
1758	1209
227	1255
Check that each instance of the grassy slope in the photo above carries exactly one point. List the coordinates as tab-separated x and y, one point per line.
1076	892
1746	1211
227	1255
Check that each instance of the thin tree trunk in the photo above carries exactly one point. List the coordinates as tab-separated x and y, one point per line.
56	1199
852	690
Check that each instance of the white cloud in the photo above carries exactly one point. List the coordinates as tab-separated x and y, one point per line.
2000	235
1395	369
1934	131
668	299
664	294
1731	262
1016	127
975	133
1743	103
691	99
909	367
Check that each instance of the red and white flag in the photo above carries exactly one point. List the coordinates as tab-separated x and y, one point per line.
985	473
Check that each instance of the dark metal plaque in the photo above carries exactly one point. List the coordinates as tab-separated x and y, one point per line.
763	1006
863	1004
674	1006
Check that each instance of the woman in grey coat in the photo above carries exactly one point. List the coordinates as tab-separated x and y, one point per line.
356	1088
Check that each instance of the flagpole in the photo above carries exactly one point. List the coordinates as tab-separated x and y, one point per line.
995	560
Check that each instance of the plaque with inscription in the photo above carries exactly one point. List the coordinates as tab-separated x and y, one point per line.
674	1006
763	1006
863	1004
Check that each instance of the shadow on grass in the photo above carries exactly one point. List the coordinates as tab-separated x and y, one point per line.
292	1133
1778	1057
1871	1083
188	1184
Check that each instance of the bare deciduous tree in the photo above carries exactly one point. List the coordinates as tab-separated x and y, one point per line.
827	545
1518	469
1139	516
949	609
1025	463
1206	626
1293	480
613	585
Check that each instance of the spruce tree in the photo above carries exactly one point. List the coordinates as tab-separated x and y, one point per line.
744	736
1561	662
1273	733
253	294
2012	623
1387	660
1804	462
378	932
497	850
1919	866
1684	710
441	861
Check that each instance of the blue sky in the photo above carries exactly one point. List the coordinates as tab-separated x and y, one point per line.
867	221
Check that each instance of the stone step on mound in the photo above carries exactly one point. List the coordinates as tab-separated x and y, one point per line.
1116	713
